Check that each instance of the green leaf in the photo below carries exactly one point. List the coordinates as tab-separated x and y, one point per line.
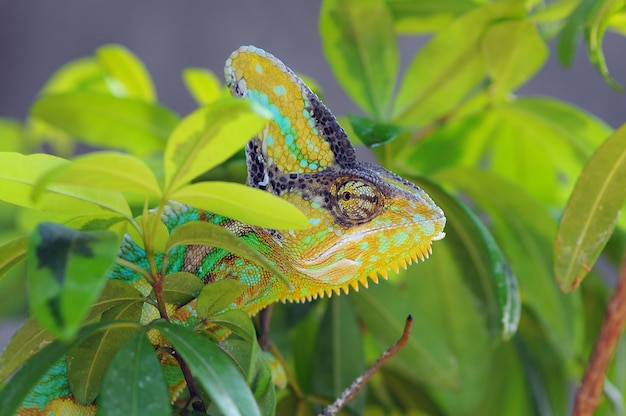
19	174
134	383
112	171
338	353
32	337
11	254
243	203
360	45
100	120
115	293
87	362
14	392
253	363
208	137
524	229
593	16
203	85
180	288
213	370
204	233
372	133
591	212
383	308
67	270
11	134
237	321
485	270
126	72
514	51
421	16
83	74
449	67
594	35
26	342
217	296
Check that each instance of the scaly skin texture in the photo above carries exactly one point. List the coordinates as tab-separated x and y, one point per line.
364	219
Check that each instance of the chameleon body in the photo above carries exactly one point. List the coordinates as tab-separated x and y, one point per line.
364	220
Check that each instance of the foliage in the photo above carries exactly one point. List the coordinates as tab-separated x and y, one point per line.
493	334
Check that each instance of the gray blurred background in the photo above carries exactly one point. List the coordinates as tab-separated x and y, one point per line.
38	36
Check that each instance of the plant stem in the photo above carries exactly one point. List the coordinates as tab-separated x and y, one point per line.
589	393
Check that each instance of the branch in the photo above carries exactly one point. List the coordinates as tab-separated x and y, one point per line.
360	382
589	393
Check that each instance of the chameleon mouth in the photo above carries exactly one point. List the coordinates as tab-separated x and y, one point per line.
422	253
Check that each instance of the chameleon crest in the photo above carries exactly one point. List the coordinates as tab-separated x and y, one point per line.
364	219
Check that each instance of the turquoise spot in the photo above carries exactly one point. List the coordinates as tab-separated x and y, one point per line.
279	90
364	245
418	218
289	139
258	68
428	227
312	166
269	140
400	238
314	221
303	163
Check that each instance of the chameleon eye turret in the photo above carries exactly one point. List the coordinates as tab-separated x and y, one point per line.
355	201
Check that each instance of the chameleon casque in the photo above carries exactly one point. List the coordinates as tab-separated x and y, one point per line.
364	220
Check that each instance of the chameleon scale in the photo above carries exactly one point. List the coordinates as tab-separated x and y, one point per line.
364	219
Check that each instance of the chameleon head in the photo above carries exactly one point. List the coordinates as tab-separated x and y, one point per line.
364	219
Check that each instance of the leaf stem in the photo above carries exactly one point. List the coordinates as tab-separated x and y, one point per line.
589	393
191	384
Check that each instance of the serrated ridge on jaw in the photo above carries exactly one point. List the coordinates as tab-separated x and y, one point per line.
422	253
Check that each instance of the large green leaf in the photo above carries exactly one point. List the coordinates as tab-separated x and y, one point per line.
540	144
126	72
213	370
524	230
514	51
360	45
485	270
208	137
102	120
243	203
134	384
87	362
104	170
338	353
181	287
14	392
66	272
449	67
591	212
19	174
32	337
26	342
83	74
204	233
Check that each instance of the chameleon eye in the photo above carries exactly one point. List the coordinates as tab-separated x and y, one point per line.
355	202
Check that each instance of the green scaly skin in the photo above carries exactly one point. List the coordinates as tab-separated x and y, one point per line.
364	219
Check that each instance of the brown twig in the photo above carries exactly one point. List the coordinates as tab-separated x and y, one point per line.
191	384
589	393
360	382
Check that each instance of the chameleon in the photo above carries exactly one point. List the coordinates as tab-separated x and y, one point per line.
364	219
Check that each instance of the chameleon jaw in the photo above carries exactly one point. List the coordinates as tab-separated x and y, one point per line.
421	253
